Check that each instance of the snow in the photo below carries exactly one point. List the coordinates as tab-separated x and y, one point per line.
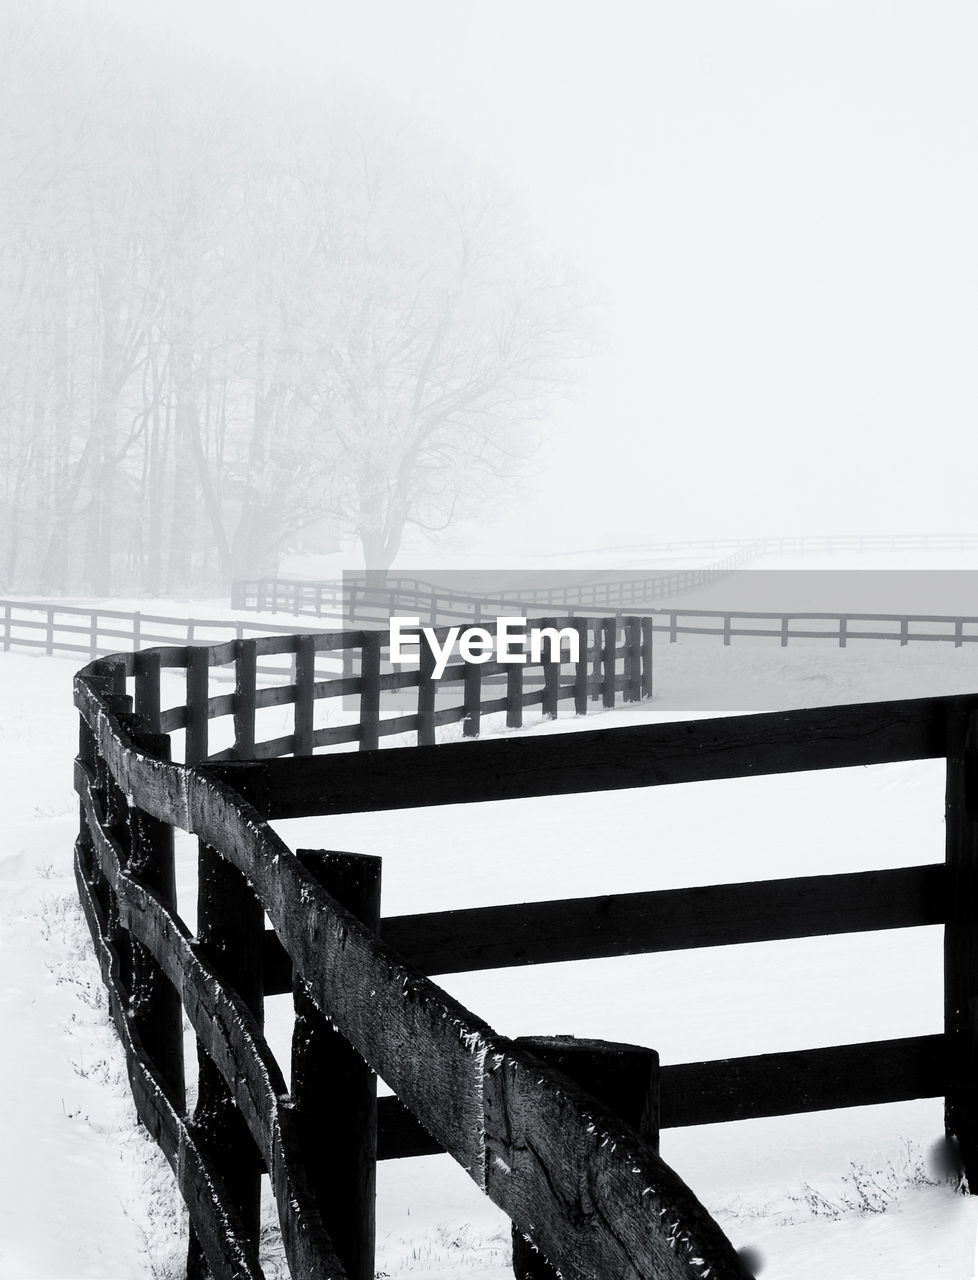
85	1193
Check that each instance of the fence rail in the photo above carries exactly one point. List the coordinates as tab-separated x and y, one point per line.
525	1131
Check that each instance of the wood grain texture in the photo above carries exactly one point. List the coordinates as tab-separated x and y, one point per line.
233	1040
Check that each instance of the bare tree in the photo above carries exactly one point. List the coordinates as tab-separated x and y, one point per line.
227	310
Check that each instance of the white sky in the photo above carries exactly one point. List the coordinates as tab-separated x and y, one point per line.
781	198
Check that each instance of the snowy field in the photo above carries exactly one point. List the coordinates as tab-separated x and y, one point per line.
85	1194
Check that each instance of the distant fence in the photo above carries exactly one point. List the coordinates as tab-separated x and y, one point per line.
528	1136
839	627
93	631
357	601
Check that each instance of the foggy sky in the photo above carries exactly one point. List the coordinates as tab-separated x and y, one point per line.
779	199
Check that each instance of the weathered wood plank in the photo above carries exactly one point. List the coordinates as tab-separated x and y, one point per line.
233	1039
748	1088
669	920
624	1078
565	1168
609	759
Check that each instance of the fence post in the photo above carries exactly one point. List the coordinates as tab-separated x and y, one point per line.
648	631
624	1077
551	673
198	692
333	1090
245	683
472	700
581	673
784	632
961	941
609	628
148	669
370	691
304	706
426	696
230	934
633	631
49	635
842	632
514	691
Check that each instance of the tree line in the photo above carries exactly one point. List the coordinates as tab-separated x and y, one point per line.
236	314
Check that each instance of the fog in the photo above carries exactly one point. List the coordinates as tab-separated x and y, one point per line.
745	235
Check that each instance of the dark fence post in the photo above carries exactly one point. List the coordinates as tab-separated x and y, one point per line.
148	669
633	632
198	692
334	1091
961	941
551	673
609	628
245	687
370	690
230	932
624	1077
304	707
648	631
581	674
426	695
472	700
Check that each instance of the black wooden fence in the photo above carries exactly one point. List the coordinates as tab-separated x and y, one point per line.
528	1136
587	1187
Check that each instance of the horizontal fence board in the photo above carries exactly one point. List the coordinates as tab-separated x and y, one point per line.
570	929
774	1084
669	920
610	759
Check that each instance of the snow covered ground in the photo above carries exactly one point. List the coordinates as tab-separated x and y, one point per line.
86	1194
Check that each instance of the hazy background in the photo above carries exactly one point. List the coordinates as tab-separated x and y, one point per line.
769	209
781	199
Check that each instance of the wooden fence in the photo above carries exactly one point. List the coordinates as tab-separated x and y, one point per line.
52	627
590	1191
357	601
615	665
